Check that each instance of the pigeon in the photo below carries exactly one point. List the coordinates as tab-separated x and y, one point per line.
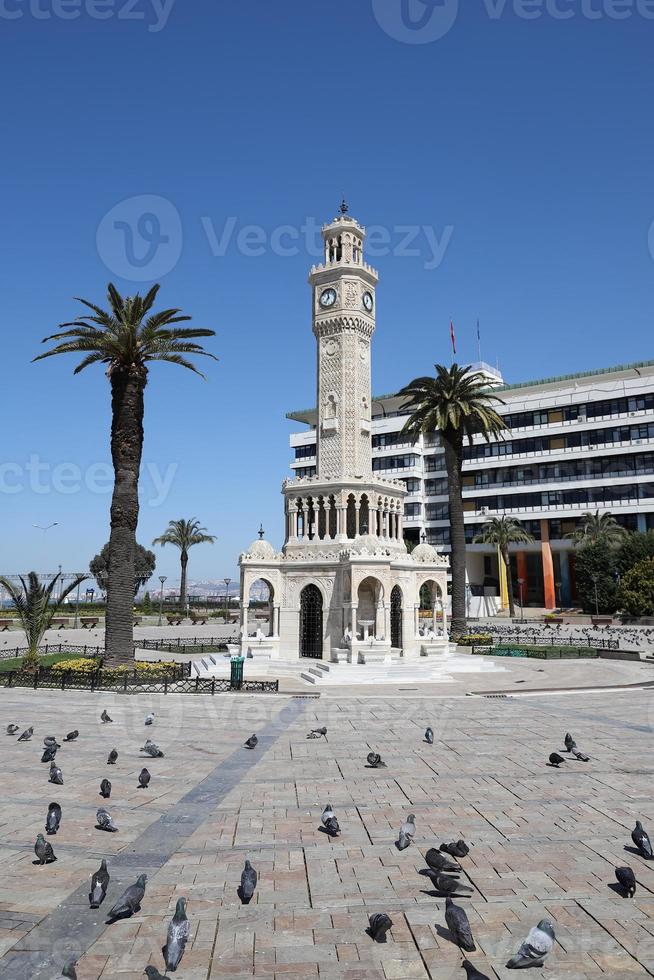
144	778
130	901
49	741
53	819
641	840
472	972
68	971
56	775
99	884
429	737
49	753
43	850
447	884
179	929
569	742
149	718
105	789
71	736
104	717
556	759
457	923
318	733
26	736
379	924
153	973
457	849
374	760
251	742
580	755
535	948
104	821
152	749
407	830
12	729
329	821
248	883
112	757
627	879
437	862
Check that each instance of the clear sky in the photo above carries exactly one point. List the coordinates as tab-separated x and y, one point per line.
141	139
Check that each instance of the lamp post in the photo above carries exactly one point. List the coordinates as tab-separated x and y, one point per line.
521	582
227	581
595	579
557	586
162	579
76	622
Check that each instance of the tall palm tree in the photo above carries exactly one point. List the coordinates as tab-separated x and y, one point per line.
184	535
501	532
458	405
36	605
599	529
126	337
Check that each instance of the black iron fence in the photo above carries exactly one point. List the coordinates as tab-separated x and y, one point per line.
190	644
549	640
174	680
50	648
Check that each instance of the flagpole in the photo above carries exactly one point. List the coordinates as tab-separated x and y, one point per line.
478	342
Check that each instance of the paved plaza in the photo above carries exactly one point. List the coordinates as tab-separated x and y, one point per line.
544	841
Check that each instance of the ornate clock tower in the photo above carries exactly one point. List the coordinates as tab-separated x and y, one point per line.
343	296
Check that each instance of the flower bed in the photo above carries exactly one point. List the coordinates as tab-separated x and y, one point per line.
142	668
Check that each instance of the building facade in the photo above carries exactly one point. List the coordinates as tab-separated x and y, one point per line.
343	587
574	444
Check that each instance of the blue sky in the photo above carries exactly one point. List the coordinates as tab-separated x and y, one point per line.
523	146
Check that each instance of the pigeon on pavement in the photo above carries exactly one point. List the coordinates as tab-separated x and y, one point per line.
112	757
43	850
535	948
407	831
56	775
379	924
429	736
104	821
105	789
105	717
641	840
68	971
152	749
375	761
130	901
569	742
581	756
251	742
153	974
26	736
471	972
53	818
149	718
179	930
329	821
49	753
448	884
71	736
50	740
438	862
12	729
459	926
99	884
144	778
556	759
248	883
457	849
627	879
318	733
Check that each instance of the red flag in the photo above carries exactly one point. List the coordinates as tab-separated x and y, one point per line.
452	337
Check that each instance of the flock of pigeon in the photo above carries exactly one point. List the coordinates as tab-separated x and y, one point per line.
443	867
629	638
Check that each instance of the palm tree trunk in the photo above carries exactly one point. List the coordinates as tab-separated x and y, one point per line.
183	560
509	580
127	389
453	446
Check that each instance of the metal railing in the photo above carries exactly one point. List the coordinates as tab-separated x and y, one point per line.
49	648
190	644
549	640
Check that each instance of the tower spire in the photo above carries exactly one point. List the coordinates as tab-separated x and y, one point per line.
344	206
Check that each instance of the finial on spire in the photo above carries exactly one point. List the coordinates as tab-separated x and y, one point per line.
344	206
261	532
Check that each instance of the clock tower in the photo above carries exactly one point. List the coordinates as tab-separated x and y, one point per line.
343	298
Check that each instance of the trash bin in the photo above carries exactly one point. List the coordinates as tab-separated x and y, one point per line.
236	680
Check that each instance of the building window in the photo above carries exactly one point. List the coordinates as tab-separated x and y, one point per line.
305	452
412	510
304	471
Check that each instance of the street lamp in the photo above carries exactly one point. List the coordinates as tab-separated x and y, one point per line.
595	580
162	579
227	581
521	582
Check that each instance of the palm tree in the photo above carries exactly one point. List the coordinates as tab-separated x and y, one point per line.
501	532
599	529
126	338
458	404
184	535
36	606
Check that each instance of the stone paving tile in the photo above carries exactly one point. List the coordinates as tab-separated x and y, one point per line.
544	842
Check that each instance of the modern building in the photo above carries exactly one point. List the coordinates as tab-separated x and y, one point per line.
576	443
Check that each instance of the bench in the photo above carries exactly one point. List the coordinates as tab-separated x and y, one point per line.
63	623
137	621
601	620
5	624
199	618
174	620
89	622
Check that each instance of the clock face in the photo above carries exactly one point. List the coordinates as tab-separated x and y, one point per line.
368	301
327	298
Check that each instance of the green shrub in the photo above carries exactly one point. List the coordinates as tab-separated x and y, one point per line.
474	639
636	592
